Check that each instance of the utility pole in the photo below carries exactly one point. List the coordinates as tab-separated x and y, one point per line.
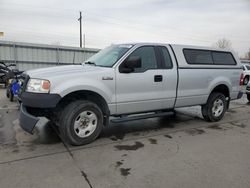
84	47
80	20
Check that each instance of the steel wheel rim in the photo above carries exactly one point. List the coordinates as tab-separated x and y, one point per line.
218	107
85	123
246	80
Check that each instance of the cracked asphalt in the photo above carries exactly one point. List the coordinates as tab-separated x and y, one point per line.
181	151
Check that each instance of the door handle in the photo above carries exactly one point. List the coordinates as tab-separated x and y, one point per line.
158	78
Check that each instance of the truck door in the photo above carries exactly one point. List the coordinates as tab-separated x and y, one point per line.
142	90
170	76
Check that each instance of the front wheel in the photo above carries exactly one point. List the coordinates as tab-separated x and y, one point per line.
81	122
11	96
8	93
215	107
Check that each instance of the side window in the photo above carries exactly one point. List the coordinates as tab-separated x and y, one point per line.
148	58
166	58
248	67
198	56
223	58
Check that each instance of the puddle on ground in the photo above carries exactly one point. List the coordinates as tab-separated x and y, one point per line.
216	127
15	151
152	141
118	131
238	124
47	134
136	134
231	111
168	136
117	136
44	133
118	163
133	147
125	171
194	132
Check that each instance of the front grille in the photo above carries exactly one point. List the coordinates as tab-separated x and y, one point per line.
24	78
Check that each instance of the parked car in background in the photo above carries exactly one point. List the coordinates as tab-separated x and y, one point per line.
246	70
2	75
248	91
130	82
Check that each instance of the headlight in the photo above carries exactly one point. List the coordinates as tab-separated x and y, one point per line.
38	86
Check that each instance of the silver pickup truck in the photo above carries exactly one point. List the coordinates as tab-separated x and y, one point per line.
130	82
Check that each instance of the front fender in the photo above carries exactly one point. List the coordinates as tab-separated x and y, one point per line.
104	88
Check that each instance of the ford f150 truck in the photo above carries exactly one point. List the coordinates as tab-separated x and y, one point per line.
130	82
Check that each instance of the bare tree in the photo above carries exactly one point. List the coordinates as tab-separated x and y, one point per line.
247	56
223	43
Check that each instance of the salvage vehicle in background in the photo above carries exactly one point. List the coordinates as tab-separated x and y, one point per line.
130	82
3	73
2	80
248	91
11	78
246	70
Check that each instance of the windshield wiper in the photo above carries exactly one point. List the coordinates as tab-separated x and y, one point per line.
90	63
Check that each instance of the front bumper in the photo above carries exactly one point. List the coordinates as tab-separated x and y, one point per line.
40	100
37	101
27	121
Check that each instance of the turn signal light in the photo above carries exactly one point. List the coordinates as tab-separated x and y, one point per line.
46	85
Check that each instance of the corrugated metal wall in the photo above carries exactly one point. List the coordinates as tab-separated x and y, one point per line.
28	56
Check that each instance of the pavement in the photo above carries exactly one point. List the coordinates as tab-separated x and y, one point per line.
182	151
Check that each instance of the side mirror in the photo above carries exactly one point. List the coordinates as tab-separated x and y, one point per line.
130	64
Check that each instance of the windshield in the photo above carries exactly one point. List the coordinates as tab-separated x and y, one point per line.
108	56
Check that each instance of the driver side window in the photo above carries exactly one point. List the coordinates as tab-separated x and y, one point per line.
148	58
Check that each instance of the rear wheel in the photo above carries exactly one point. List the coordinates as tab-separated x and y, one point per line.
215	107
81	122
248	97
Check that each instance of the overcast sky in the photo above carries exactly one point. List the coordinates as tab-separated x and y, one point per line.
195	22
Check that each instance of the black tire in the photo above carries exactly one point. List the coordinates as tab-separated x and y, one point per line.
207	111
246	80
248	97
11	97
8	93
68	117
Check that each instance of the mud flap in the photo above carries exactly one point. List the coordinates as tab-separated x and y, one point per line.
27	121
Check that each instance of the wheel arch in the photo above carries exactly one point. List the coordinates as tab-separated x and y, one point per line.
222	88
89	95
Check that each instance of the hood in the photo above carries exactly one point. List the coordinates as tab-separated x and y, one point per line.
63	71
